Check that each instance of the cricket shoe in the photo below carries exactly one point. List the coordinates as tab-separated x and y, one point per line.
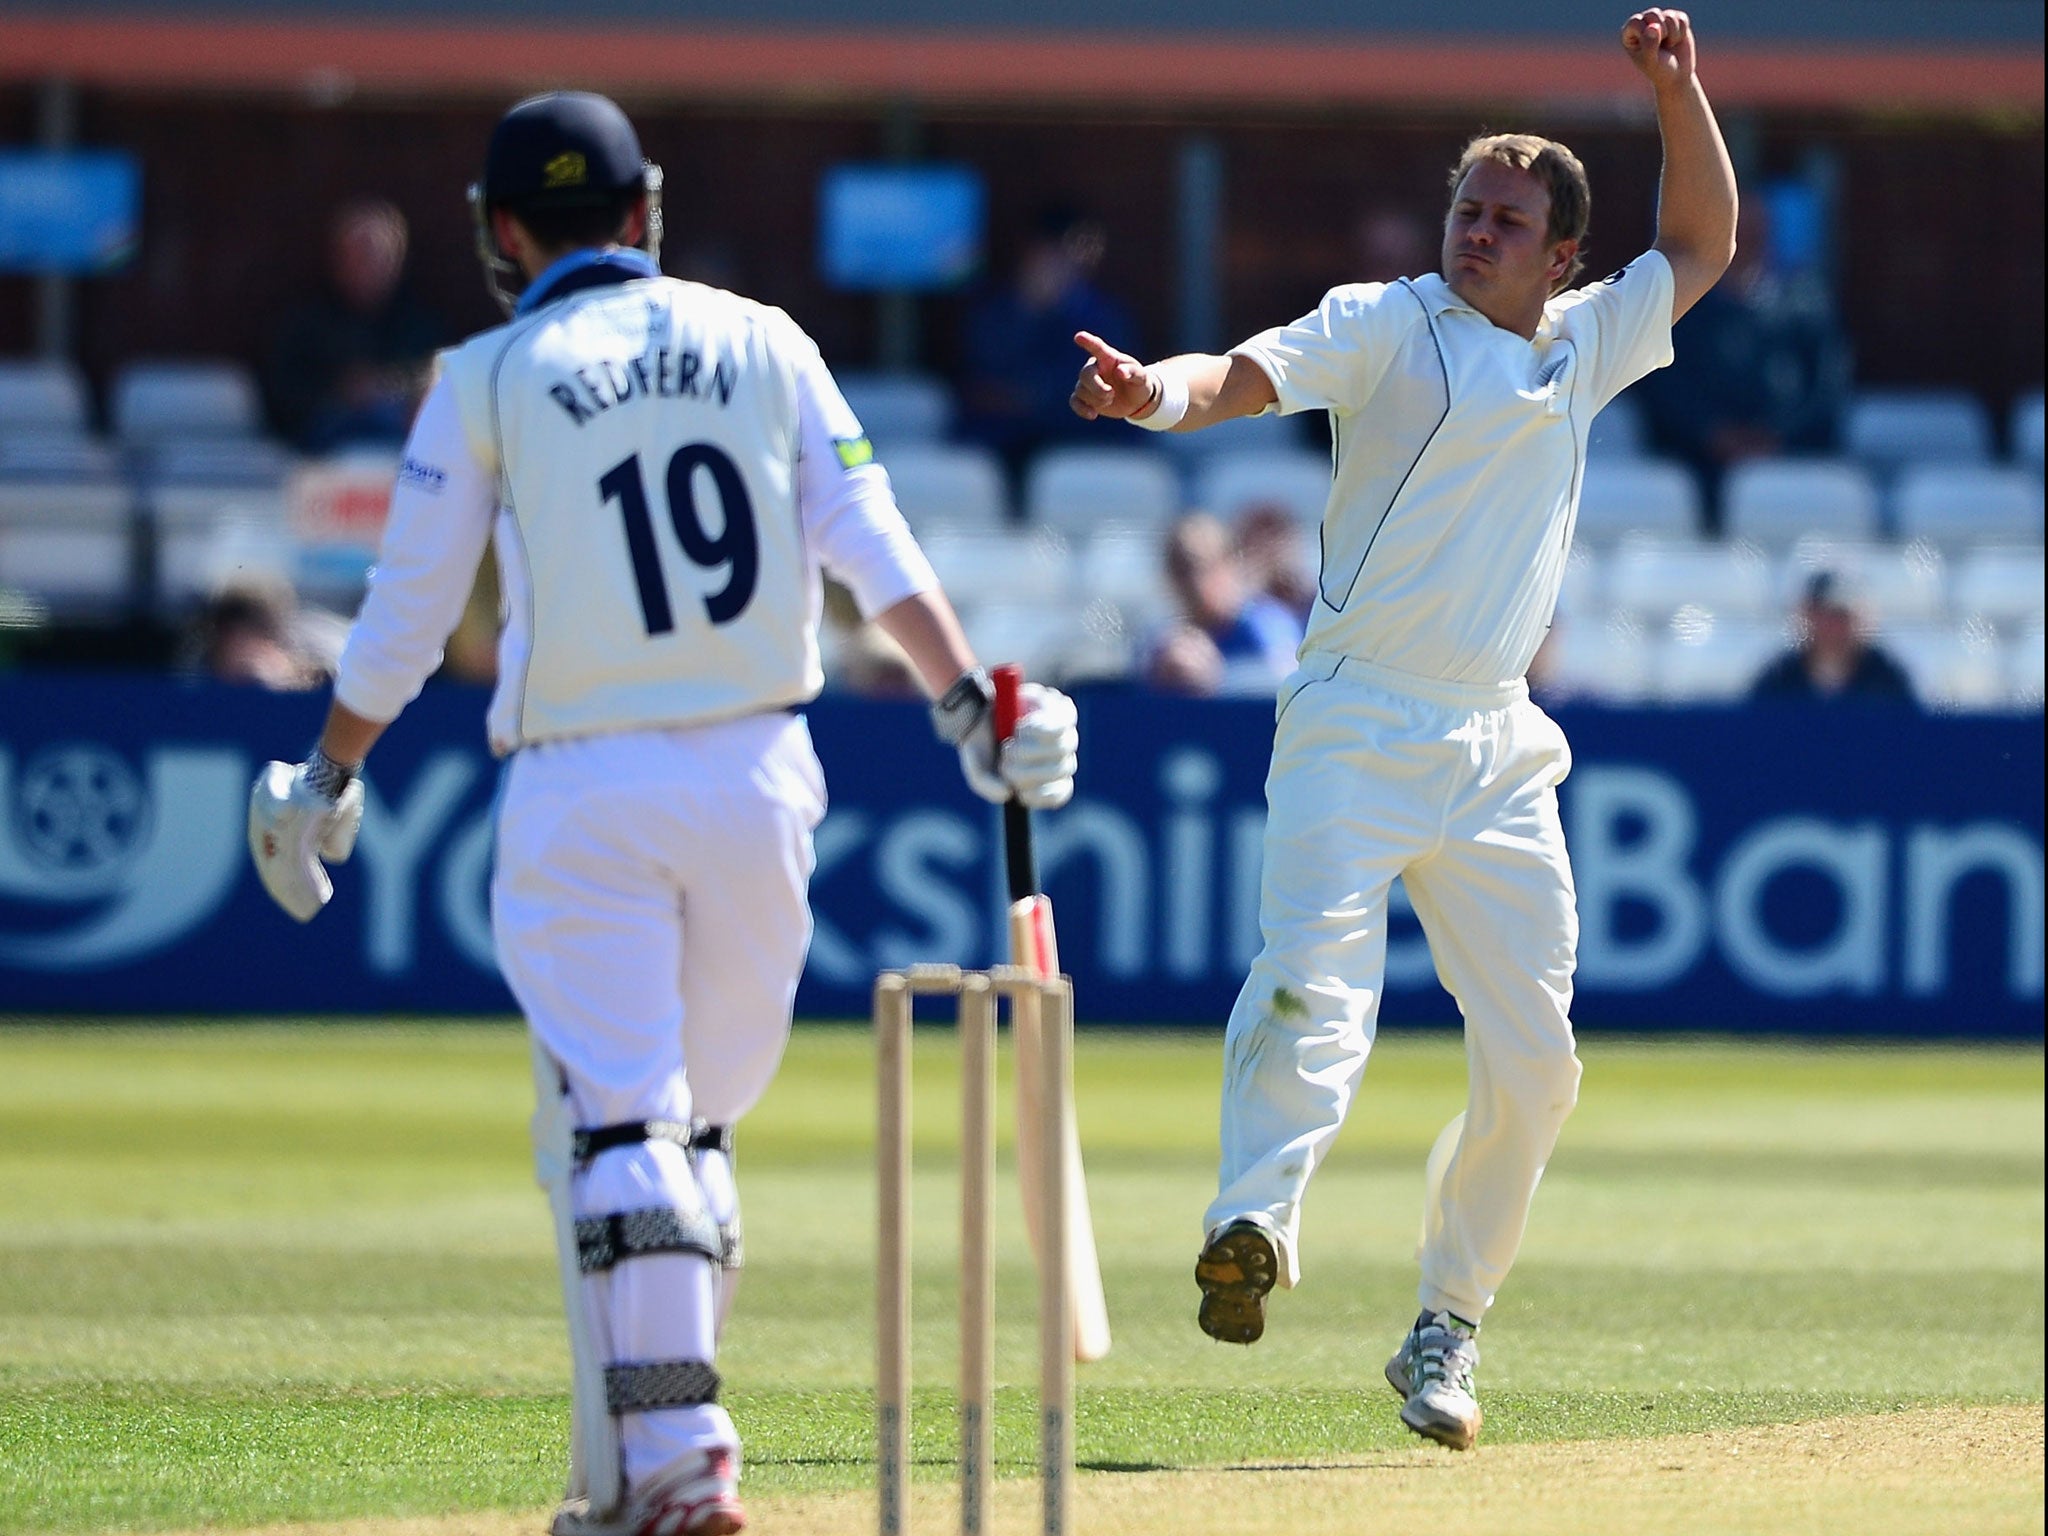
1235	1271
1432	1370
699	1496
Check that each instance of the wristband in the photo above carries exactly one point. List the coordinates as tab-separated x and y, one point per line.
963	706
326	777
1173	402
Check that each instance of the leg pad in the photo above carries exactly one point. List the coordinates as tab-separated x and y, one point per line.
660	1384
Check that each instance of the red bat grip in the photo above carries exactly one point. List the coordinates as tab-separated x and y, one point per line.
1009	677
1020	860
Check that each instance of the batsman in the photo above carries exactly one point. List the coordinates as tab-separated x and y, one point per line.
1406	744
666	471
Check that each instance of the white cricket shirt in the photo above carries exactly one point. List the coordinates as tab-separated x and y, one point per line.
1459	449
666	468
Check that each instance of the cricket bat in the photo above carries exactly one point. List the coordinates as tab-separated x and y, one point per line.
1034	947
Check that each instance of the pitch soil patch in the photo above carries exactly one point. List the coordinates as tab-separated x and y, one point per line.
1925	1472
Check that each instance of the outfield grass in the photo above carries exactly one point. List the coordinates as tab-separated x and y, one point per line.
253	1274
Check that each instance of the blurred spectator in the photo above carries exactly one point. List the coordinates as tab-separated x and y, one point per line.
1227	638
257	634
1389	243
351	364
1269	554
1835	657
1762	365
1017	368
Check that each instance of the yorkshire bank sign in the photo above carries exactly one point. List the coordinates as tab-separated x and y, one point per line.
1863	873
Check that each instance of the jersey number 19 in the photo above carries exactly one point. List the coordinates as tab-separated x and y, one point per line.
735	548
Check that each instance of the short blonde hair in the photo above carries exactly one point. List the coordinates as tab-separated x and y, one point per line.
1562	176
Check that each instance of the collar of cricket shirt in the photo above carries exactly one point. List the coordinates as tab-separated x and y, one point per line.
585	269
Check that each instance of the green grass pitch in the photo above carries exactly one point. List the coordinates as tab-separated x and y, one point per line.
265	1273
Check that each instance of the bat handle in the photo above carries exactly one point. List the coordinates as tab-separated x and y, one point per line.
1019	858
1009	679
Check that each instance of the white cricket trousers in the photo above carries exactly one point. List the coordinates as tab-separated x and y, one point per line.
650	908
1376	775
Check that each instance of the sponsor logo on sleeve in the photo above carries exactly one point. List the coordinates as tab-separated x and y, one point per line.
430	478
853	451
1615	277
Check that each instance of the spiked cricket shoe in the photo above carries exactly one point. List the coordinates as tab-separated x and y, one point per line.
1432	1370
1235	1271
698	1497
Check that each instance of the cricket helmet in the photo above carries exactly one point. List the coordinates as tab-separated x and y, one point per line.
561	150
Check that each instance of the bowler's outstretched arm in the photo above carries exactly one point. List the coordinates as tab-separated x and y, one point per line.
1696	198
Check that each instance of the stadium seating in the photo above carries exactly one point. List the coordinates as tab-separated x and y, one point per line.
40	395
2025	430
948	485
1004	566
1080	490
1653	580
70	545
157	399
1902	583
1887	428
1623	496
1297	479
1125	567
2002	587
1603	660
1774	502
1713	661
1951	668
1965	503
209	535
1619	431
899	408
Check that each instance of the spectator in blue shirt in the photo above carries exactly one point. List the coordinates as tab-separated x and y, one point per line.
1835	658
1226	639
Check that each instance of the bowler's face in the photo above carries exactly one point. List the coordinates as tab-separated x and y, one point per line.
1498	255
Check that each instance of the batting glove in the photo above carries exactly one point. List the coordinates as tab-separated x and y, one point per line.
299	816
1039	759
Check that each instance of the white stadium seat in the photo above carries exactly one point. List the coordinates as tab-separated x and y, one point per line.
1777	501
1583	592
1966	503
44	394
1003	566
1297	479
1602	659
1902	583
210	461
2024	666
55	453
1034	634
1889	428
1714	662
1619	430
1655	580
2000	586
1620	496
155	399
1126	567
208	536
69	544
2026	430
1080	490
1950	667
948	485
898	408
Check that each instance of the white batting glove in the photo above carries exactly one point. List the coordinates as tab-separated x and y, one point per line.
298	816
1039	759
